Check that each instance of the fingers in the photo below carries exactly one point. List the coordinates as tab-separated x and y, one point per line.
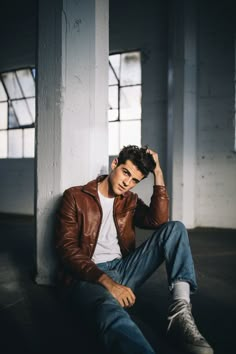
133	297
126	298
130	299
153	153
155	158
123	295
126	301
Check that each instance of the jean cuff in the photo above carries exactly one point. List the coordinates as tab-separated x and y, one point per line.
193	285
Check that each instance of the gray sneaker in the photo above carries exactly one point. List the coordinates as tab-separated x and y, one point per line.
183	331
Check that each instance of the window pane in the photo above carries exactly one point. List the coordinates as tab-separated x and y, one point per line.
113	97
3	115
15	143
22	112
3	95
113	134
130	133
28	136
3	144
27	82
12	85
130	102
115	62
13	122
112	78
112	115
31	105
130	69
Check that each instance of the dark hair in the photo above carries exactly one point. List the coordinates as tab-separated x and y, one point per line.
139	157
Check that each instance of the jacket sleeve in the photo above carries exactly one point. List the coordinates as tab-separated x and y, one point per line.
72	257
157	213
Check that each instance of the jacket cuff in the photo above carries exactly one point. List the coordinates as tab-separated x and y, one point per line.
94	274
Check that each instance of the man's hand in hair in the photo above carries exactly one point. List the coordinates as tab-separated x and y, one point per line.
157	172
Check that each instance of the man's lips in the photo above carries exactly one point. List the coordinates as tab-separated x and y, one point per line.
121	188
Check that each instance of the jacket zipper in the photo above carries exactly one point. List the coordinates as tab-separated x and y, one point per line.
96	239
117	229
115	221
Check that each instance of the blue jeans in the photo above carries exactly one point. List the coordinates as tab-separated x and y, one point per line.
116	329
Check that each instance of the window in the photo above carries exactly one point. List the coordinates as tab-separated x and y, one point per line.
17	113
125	93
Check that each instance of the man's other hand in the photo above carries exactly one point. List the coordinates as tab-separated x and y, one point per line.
121	293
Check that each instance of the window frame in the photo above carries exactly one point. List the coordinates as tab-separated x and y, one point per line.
9	101
119	120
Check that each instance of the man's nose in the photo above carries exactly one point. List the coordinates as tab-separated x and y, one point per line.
127	181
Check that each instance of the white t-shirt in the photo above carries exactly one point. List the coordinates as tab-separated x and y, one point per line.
107	247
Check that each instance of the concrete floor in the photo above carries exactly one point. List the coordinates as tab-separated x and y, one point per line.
33	319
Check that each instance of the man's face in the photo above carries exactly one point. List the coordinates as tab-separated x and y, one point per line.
123	177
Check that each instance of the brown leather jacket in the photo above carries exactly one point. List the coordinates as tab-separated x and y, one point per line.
79	220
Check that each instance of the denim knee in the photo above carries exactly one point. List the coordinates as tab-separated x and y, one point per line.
178	230
178	225
172	231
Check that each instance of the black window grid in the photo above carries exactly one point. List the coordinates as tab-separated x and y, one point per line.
10	100
119	89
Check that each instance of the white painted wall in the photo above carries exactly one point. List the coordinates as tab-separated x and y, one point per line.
216	161
182	110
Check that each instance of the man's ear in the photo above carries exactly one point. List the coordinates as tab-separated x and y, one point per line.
114	163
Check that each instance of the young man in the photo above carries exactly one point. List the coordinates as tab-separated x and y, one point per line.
102	267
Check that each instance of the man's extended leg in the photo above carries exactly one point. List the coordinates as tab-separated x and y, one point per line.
115	328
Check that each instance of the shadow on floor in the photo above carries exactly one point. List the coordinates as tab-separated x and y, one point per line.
33	319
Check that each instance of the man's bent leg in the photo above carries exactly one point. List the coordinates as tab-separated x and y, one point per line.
115	328
168	243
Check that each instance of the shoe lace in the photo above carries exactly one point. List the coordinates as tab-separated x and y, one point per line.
189	327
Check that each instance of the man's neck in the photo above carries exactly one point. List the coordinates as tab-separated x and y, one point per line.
104	188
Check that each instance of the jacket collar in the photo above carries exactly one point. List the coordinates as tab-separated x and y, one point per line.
92	187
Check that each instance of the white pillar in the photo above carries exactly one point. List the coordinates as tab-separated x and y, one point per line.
182	111
72	141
